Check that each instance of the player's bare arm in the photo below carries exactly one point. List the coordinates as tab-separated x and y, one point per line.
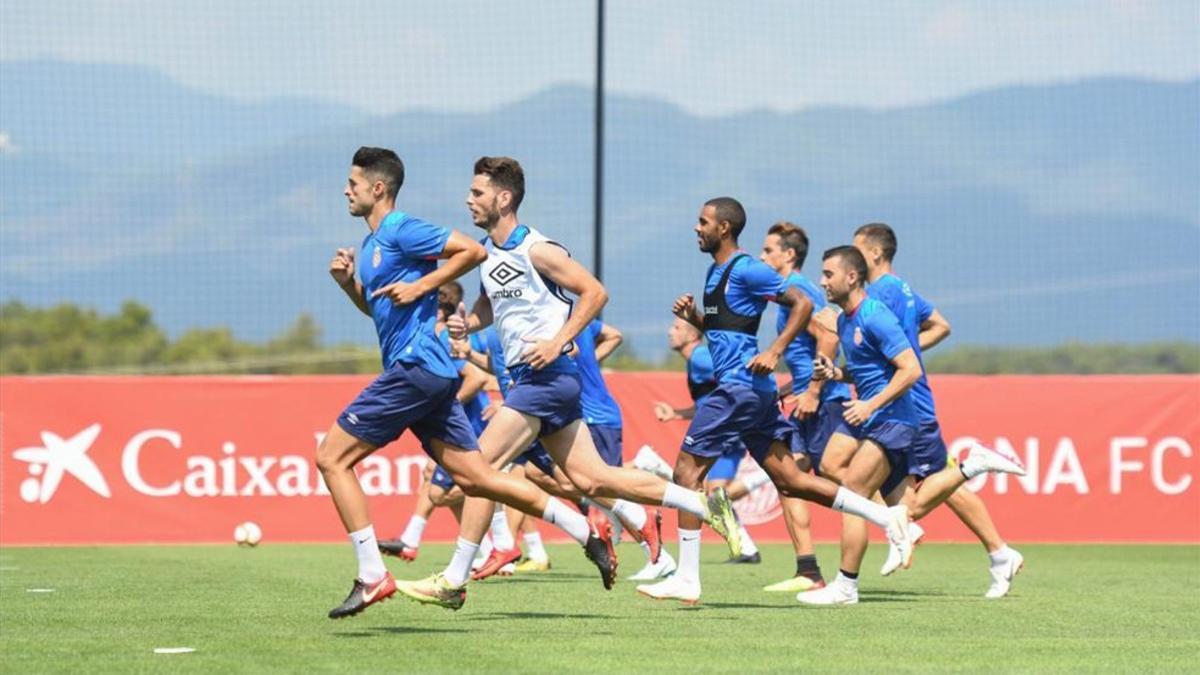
764	362
685	308
553	262
908	371
665	412
824	368
607	341
827	344
933	330
341	268
461	255
460	324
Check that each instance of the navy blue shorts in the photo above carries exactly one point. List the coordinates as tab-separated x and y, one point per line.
894	437
734	414
726	466
608	443
409	397
552	397
813	434
540	457
928	454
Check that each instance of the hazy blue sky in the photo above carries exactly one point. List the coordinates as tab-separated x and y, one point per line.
711	57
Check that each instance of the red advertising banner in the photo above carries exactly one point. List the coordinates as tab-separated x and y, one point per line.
185	459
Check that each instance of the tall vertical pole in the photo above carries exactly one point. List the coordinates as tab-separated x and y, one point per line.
598	153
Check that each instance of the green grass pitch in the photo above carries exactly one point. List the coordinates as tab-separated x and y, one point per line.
1074	608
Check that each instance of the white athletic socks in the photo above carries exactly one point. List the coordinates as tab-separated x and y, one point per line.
533	547
485	549
681	498
756	480
634	514
748	545
857	505
567	519
501	535
1000	555
459	568
366	549
413	532
689	555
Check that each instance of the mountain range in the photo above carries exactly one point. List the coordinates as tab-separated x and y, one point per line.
1029	215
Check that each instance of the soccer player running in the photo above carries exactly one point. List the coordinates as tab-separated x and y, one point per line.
877	429
686	339
819	404
928	477
396	286
742	408
603	417
435	481
525	280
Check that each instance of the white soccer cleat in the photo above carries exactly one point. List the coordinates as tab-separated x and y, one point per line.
1003	574
899	536
915	532
647	459
659	570
995	461
841	592
673	587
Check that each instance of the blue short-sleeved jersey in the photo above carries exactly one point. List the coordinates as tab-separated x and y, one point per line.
404	248
599	407
701	376
474	407
911	310
871	337
495	352
751	285
801	352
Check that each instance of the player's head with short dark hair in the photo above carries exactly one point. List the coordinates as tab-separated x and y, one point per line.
792	238
843	270
505	174
381	164
729	210
878	235
851	259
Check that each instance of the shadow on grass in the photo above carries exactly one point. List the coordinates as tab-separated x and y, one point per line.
737	605
497	616
397	630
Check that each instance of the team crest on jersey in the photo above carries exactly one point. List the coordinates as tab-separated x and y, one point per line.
857	336
376	257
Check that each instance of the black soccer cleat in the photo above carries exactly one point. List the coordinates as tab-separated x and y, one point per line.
364	595
397	548
599	550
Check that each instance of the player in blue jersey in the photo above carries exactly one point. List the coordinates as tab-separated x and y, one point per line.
928	477
818	403
686	339
437	489
396	283
877	430
742	408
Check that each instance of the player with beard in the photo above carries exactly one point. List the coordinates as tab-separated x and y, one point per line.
742	408
525	280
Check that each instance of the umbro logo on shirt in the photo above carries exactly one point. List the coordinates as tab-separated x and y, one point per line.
504	273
